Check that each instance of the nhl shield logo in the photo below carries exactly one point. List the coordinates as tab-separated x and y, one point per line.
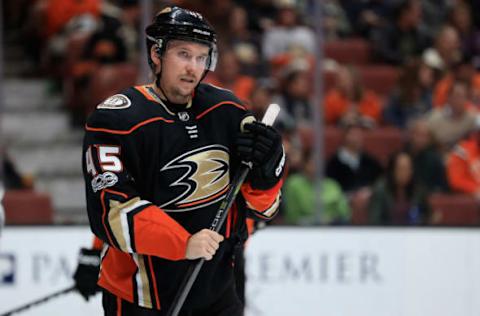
183	116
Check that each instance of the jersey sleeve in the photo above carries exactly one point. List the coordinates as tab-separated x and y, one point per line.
458	172
118	214
262	205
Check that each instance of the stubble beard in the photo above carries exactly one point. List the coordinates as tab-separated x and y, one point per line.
180	97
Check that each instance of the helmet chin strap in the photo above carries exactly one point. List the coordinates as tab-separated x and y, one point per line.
158	82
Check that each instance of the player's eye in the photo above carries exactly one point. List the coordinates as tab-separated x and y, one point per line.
183	54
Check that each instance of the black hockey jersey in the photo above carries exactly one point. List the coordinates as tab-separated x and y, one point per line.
155	175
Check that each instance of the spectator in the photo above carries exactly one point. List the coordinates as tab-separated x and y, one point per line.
367	15
351	166
102	48
447	49
475	5
335	22
454	120
434	13
261	14
60	12
403	39
397	199
461	20
428	164
287	33
349	102
125	21
228	76
463	165
413	95
295	93
263	94
244	42
463	71
300	199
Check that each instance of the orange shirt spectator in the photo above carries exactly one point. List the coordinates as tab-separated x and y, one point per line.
440	93
337	104
242	86
228	76
59	12
463	167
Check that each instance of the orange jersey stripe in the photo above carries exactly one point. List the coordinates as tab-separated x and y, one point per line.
102	200
97	243
119	306
228	228
120	132
104	216
145	93
117	193
199	116
155	289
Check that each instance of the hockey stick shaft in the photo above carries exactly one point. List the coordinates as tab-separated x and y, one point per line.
218	221
39	301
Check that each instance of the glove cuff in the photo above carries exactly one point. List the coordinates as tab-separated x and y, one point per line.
267	176
89	257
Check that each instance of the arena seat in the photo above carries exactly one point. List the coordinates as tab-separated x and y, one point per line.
329	78
379	78
382	142
333	139
74	51
27	207
108	80
349	51
453	209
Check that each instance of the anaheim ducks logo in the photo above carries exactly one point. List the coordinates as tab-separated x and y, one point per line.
205	178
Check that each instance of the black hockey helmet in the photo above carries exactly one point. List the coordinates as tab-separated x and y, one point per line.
177	23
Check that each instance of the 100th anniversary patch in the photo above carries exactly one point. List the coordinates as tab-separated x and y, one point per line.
115	102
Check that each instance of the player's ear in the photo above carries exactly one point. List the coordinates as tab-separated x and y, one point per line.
154	56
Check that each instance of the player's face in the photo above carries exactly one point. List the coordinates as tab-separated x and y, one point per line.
183	66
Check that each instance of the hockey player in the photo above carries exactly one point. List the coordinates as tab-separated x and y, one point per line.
158	160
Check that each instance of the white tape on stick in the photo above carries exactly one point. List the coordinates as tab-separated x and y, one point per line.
271	114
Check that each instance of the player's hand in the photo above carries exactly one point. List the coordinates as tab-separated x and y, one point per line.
203	244
262	146
86	275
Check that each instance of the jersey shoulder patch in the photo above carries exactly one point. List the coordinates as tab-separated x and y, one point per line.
115	102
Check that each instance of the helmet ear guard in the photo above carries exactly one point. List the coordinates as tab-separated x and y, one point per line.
212	63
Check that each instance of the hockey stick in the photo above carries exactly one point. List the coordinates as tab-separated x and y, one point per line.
219	219
39	301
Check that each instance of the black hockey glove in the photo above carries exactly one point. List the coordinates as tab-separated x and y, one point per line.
86	275
261	145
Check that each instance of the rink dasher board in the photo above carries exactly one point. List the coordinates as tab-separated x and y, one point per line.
315	271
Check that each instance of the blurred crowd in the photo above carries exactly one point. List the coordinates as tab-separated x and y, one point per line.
400	97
